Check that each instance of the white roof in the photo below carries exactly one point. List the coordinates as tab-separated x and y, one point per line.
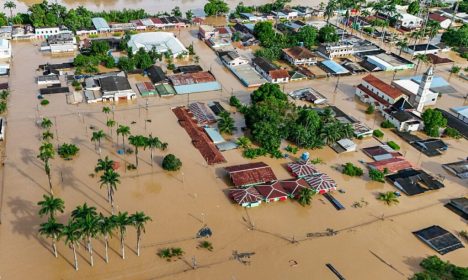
409	17
463	110
346	143
162	41
409	85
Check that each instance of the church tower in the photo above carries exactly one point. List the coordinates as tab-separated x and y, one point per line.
423	90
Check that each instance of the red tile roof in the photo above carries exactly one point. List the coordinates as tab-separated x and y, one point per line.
374	95
246	195
272	190
279	74
250	173
393	165
392	92
156	21
437	17
294	186
321	183
302	169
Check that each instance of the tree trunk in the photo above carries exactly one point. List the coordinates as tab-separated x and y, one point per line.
112	203
107	246
54	246
138	243
74	255
123	142
90	249
122	245
151	156
108	195
136	155
47	170
99	146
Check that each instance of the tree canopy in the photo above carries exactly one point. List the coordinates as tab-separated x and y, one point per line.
433	122
413	8
435	268
216	7
327	34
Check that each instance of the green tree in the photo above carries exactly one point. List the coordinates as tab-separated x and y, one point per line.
307	35
216	8
142	59
99	47
46	123
81	211
352	170
433	122
305	196
89	228
327	34
47	136
244	142
96	138
46	153
171	163
176	11
413	8
126	64
10	5
51	229
330	9
110	179
106	110
402	44
376	175
50	205
106	227
110	124
72	235
420	58
138	220
388	198
456	37
226	123
121	221
267	91
264	32
68	151
370	110
435	268
189	15
154	143
124	131
137	141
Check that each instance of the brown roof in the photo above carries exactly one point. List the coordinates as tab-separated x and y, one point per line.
373	95
191	78
250	173
271	190
378	151
294	186
278	74
245	195
393	164
299	53
435	59
392	92
437	17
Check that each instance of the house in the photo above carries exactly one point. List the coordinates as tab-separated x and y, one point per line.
389	62
48	80
188	69
346	145
250	174
25	32
5	32
205	32
301	169
63	42
408	21
45	32
333	68
381	152
116	88
421	49
146	89
444	22
232	58
401	115
246	197
459	206
250	17
161	41
272	191
5	48
430	147
360	130
214	135
127	26
439	239
412	181
202	114
270	71
247	75
2	128
374	91
100	24
309	94
459	168
321	183
294	186
157	75
194	82
332	50
391	165
299	56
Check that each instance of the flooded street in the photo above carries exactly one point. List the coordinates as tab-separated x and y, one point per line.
180	203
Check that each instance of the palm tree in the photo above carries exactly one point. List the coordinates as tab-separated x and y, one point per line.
420	58
110	124
110	179
72	235
46	153
121	221
305	196
432	28
46	123
124	131
96	138
154	143
138	220
104	164
47	136
106	110
50	205
244	142
137	141
10	5
402	44
89	226
106	228
51	229
389	198
226	123
81	212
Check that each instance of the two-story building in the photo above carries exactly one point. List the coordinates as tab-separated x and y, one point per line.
232	58
5	48
299	56
376	92
332	50
45	32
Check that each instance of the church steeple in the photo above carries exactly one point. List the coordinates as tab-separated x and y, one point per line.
424	89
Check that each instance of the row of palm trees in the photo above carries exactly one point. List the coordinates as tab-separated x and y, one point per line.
46	150
85	224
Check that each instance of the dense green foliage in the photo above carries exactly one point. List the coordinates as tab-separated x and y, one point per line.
352	170
393	145
433	122
234	101
370	109
226	123
388	198
305	196
67	151
171	163
413	8
456	37
435	269
327	34
376	175
377	133
452	132
216	8
387	124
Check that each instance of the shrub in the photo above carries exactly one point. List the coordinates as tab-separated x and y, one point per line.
252	153
352	170
377	133
234	101
169	253
393	145
387	124
291	149
206	245
44	102
435	268
452	132
376	175
67	151
370	109
171	163
117	34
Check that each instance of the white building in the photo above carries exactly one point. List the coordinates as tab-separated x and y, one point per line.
409	21
232	58
299	56
45	32
270	71
332	50
5	48
443	21
161	41
112	86
402	116
374	91
63	42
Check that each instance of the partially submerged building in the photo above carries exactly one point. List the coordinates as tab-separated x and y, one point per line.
459	168
246	197
412	181
194	82
299	56
113	86
309	94
332	50
250	174
459	206
58	43
389	62
439	239
269	71
5	48
272	191
162	42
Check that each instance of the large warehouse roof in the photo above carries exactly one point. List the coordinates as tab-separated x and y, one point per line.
162	41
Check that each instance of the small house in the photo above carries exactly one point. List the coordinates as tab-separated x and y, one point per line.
272	191
270	71
246	197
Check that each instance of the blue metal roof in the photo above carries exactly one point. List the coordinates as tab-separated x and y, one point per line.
437	81
335	67
100	23
214	135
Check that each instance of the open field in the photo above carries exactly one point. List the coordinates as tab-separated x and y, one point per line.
374	242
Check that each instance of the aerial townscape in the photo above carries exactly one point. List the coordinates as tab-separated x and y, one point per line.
267	139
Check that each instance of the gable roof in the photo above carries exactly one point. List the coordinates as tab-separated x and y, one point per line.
302	169
264	64
272	190
390	91
294	186
437	17
299	53
156	74
250	173
279	74
114	83
245	195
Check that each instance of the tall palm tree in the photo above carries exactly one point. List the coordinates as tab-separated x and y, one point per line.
10	5
51	229
106	110
137	141
46	153
432	28
110	124
420	58
154	143
402	44
46	123
106	227
80	212
124	131
104	164
121	221
50	205
389	198
305	196
97	137
72	234
138	220
47	136
89	227
110	179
